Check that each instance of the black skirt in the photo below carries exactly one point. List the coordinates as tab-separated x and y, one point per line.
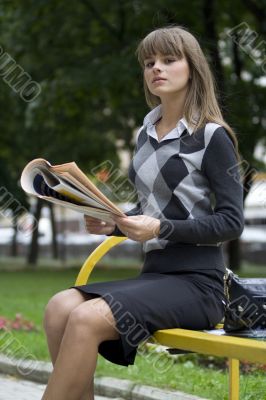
152	301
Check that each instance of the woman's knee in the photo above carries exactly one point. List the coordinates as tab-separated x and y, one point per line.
59	307
94	317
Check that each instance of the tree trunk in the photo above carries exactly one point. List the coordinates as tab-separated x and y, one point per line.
63	246
14	247
55	253
210	22
34	247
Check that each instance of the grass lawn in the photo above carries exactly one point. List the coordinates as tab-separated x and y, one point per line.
27	292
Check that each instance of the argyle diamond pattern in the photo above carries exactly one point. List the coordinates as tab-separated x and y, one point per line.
168	178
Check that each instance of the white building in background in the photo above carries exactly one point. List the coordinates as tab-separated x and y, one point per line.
255	202
255	212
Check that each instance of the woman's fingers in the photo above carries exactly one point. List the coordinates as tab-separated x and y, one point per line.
100	223
139	227
92	220
97	226
125	221
98	230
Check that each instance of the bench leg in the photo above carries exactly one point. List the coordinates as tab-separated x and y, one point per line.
233	379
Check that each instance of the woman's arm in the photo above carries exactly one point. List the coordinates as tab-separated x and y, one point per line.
220	166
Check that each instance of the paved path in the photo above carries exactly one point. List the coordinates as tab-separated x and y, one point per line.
16	389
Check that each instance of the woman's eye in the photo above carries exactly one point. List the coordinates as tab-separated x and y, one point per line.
169	60
149	64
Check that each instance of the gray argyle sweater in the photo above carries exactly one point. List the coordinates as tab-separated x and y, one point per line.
192	184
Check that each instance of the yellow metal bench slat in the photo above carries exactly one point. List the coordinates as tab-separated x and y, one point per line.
207	343
233	379
95	256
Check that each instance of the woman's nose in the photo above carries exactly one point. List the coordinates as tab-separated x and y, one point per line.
157	65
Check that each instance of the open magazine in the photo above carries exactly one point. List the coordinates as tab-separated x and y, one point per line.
66	185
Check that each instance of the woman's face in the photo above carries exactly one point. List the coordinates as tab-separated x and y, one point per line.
166	75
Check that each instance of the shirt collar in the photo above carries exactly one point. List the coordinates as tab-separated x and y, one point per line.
153	116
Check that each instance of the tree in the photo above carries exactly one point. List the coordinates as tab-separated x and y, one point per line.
82	55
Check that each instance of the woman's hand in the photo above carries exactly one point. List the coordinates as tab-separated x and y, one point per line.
98	227
138	227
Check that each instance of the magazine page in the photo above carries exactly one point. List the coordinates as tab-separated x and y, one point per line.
47	193
29	172
89	195
90	211
58	185
79	176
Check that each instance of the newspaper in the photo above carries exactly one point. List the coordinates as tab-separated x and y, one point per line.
66	185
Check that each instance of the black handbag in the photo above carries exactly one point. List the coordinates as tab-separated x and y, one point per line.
246	303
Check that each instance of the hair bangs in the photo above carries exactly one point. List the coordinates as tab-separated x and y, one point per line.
162	41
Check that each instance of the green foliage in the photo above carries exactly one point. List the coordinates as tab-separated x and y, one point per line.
82	55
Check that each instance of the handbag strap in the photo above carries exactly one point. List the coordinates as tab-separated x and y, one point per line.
227	275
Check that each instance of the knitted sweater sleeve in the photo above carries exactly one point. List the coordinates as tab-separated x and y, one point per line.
220	166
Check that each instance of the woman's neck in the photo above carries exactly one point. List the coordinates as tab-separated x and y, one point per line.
172	112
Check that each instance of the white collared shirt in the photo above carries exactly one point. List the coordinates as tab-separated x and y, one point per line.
154	115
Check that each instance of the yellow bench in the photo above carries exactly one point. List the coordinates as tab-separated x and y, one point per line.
234	348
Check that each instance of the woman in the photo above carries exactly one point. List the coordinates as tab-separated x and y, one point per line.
185	158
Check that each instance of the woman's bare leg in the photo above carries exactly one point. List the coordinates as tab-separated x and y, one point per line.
88	325
57	312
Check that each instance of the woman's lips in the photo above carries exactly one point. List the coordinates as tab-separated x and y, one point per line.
158	80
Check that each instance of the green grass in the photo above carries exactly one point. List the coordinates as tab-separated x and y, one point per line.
18	263
253	270
187	376
27	292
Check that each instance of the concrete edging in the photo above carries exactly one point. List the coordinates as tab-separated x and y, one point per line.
39	371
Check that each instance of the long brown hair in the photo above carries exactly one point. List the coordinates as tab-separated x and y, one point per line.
201	98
